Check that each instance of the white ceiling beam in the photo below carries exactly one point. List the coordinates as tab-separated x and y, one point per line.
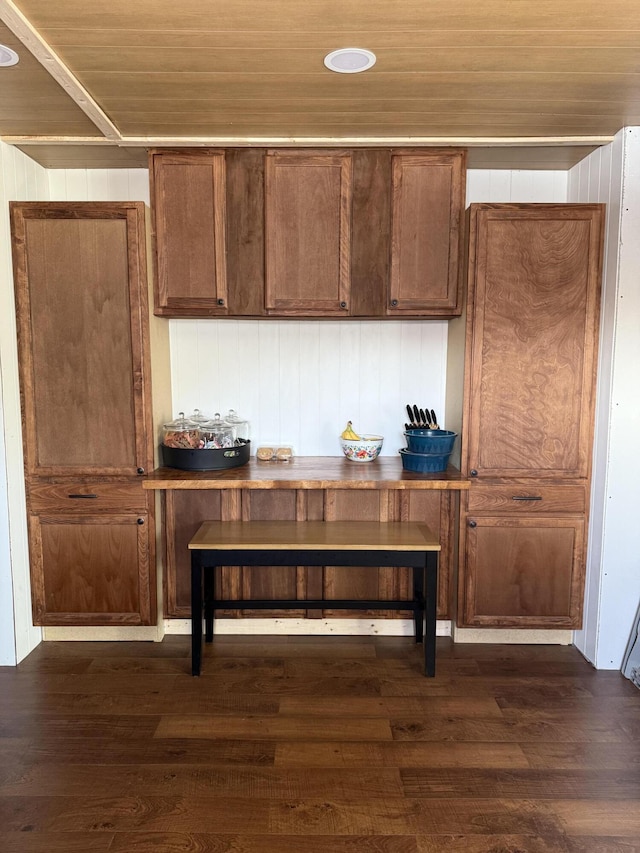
13	18
302	142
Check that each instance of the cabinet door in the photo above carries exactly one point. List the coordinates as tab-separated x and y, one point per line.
427	207
307	232
533	325
522	571
91	569
189	204
80	278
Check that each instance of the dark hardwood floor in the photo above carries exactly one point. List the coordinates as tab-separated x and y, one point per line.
301	745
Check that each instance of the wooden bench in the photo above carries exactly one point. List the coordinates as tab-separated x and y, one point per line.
314	543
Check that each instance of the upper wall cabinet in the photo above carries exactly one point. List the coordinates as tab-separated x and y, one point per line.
189	212
360	233
307	232
427	204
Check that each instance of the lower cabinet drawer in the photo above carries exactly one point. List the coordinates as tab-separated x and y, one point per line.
86	496
526	498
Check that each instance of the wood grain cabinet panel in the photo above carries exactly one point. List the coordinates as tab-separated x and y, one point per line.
532	331
427	208
188	192
84	359
91	570
534	309
307	232
523	571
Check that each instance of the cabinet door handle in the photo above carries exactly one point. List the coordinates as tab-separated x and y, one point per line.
473	524
526	498
394	303
140	521
82	497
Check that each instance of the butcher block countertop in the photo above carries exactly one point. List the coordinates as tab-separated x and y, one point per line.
308	472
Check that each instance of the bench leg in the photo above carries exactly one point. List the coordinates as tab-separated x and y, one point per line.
430	610
418	595
196	612
209	597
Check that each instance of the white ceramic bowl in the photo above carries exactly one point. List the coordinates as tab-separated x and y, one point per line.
365	450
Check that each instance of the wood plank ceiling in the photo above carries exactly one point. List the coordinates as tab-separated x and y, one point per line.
99	82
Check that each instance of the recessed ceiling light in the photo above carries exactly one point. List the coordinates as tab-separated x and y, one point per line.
350	60
8	56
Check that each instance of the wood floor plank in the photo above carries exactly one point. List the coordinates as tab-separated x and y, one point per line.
198	781
57	842
581	756
401	754
104	751
153	842
523	844
522	730
522	784
283	727
135	812
459	706
600	817
437	816
152	703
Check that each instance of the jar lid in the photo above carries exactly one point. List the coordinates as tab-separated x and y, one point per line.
181	424
232	417
199	417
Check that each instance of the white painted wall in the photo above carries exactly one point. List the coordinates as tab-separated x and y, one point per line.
22	180
612	175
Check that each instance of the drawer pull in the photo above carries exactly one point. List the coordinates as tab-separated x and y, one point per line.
526	498
83	497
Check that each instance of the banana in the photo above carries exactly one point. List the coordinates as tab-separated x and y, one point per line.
348	433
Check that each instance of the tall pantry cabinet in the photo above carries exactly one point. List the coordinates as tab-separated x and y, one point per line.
532	331
84	357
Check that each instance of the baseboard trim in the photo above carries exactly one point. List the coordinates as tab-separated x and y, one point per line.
514	636
103	633
311	627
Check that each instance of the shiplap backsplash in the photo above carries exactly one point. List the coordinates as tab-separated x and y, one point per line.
298	382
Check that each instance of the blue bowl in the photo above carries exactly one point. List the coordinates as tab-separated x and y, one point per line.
430	440
424	463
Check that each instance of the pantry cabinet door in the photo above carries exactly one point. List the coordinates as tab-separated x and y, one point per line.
307	233
532	349
81	298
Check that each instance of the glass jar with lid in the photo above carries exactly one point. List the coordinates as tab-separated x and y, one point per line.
216	432
239	424
182	432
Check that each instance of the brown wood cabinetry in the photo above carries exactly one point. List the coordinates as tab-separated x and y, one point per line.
313	489
307	232
523	549
189	226
81	300
299	233
534	291
428	200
